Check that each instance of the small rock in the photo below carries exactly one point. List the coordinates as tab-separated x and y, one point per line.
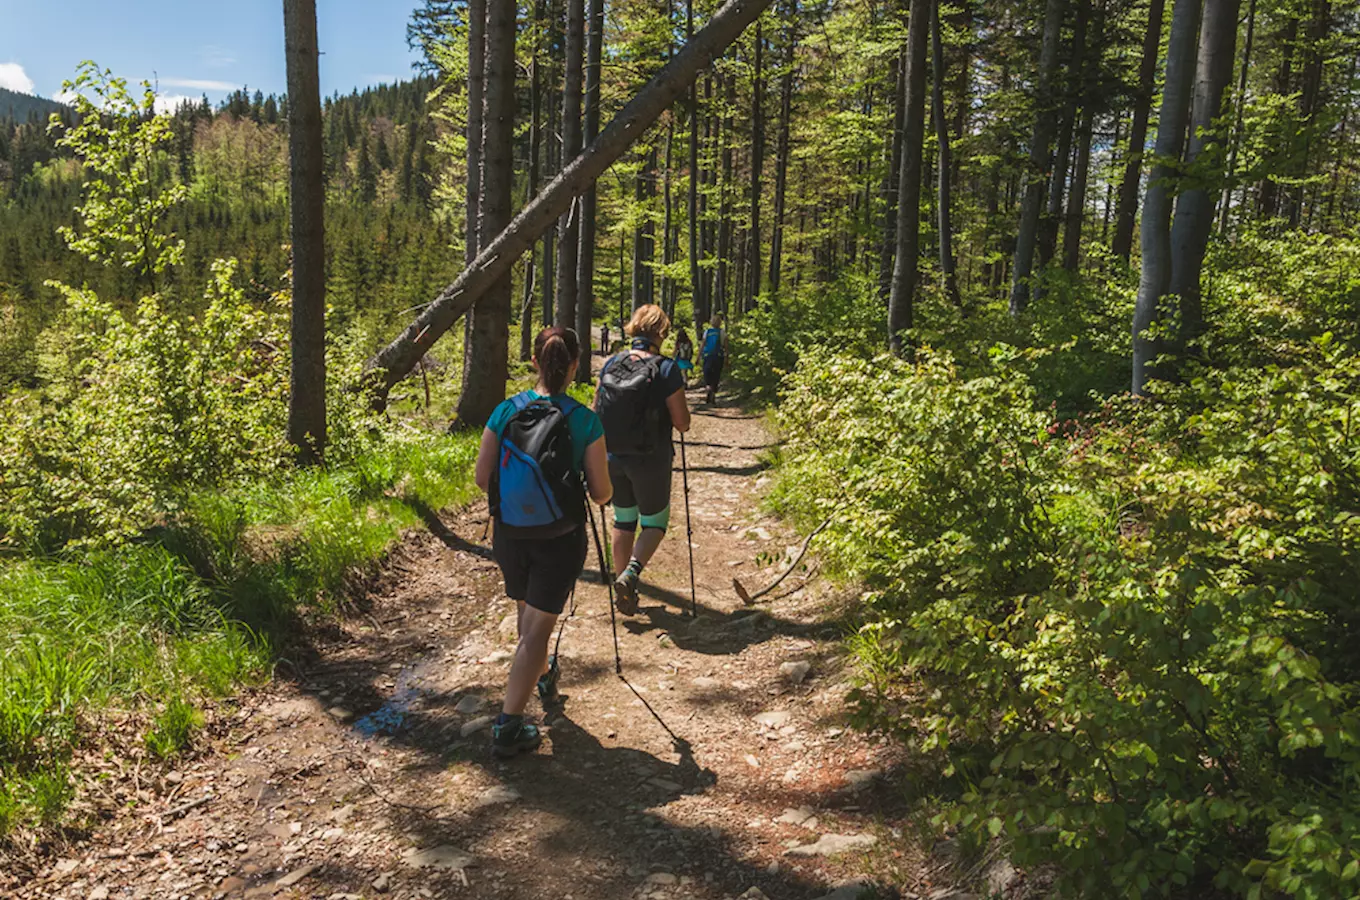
775	719
496	795
799	816
383	883
662	878
754	893
509	627
295	876
859	779
999	876
341	815
66	866
469	704
476	725
444	856
99	893
340	714
796	672
849	891
705	684
173	777
833	844
496	656
752	761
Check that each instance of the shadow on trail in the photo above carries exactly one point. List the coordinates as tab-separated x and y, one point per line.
713	633
740	471
445	534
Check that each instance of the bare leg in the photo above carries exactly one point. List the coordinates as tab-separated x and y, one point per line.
647	544
520	628
531	658
623	549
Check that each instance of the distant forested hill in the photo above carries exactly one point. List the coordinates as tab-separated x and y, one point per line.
18	107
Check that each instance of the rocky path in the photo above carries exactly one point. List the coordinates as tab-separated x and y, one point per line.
364	769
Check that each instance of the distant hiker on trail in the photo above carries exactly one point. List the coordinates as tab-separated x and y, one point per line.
604	339
684	353
641	397
539	446
714	356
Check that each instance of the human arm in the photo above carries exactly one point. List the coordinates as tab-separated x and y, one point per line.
596	465
486	459
678	406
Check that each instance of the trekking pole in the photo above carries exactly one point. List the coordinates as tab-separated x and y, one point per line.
689	531
606	574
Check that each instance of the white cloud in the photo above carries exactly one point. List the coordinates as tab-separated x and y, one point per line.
200	84
67	97
168	103
13	76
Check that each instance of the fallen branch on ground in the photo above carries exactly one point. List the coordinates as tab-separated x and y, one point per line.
749	599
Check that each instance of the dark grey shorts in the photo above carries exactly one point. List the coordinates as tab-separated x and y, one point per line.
642	482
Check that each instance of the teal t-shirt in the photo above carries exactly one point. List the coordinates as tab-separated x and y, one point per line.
584	425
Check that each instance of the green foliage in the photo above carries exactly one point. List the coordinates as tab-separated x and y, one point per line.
118	137
173	729
1128	641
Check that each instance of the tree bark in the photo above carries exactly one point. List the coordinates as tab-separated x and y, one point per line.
1155	276
1195	206
1240	99
695	274
1126	209
307	199
526	323
754	268
720	298
1075	219
569	228
781	164
909	185
585	278
948	265
896	75
1074	75
395	361
1040	159
487	371
476	80
1269	195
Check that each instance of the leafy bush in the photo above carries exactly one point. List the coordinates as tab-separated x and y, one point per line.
1129	641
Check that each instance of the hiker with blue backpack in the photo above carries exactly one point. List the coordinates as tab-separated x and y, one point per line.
541	454
714	356
640	399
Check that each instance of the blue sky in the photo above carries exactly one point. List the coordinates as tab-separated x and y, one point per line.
193	47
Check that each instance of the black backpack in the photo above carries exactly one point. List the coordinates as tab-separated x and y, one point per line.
627	405
535	491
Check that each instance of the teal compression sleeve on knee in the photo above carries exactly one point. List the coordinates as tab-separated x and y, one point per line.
661	520
626	518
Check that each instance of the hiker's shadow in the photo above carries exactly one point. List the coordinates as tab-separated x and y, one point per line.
627	772
713	632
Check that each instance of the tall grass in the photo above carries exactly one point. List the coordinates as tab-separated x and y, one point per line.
193	609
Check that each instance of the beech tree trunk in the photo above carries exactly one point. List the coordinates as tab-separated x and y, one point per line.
526	318
1126	209
695	274
897	76
720	297
569	228
1155	276
307	200
909	185
395	361
948	265
1062	155
1040	158
754	268
1195	206
1240	100
585	277
781	163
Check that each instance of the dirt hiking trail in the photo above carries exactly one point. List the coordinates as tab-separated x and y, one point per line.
364	770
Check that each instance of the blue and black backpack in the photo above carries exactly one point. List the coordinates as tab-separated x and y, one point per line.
712	343
536	492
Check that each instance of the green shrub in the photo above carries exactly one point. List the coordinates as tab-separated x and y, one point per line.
1129	641
172	731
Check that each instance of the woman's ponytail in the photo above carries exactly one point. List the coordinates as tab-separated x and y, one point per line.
554	351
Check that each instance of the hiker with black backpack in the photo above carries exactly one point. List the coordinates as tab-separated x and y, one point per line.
541	453
714	356
640	399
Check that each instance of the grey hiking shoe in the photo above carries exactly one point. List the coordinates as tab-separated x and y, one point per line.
514	737
547	683
625	593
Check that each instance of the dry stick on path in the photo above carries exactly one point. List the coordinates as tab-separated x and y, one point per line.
395	361
749	599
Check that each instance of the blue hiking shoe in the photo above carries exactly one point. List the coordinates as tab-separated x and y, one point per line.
547	684
513	737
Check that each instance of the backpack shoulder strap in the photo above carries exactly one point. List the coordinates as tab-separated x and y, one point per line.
521	400
569	405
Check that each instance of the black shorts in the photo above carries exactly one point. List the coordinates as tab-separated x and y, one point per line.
541	571
642	482
713	369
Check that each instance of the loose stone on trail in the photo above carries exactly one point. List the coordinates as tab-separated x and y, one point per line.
834	844
470	703
775	719
795	672
476	725
444	856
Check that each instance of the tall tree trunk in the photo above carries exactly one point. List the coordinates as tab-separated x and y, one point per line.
1040	155
551	157
909	186
1155	278
1076	197
395	361
720	299
1126	211
585	278
1195	206
667	217
1240	100
781	163
897	73
569	228
757	165
1310	100
487	371
307	196
695	274
710	180
1062	154
526	325
1269	191
943	203
476	87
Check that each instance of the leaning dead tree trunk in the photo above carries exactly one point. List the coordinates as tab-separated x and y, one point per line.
395	361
